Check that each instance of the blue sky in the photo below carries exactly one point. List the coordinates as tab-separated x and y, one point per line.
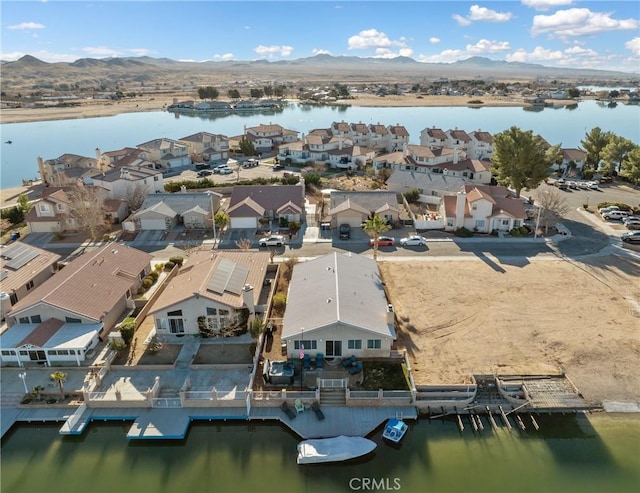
560	33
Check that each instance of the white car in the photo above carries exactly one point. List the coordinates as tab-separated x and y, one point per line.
413	240
219	167
271	241
609	208
225	170
614	215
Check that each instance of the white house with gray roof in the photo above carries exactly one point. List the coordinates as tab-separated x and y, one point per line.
337	306
166	210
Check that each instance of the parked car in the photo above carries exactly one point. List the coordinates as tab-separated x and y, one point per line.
573	185
271	241
609	208
594	186
614	215
584	185
219	167
203	166
251	163
344	231
561	184
205	172
225	170
631	237
277	167
630	219
413	240
383	241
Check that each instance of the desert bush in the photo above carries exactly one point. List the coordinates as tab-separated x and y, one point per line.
463	232
169	265
412	195
177	260
127	329
279	300
147	282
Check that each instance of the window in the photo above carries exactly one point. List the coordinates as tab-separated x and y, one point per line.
60	207
142	275
450	223
175	313
374	343
474	207
307	344
7	353
29	285
23	320
517	223
71	320
36	319
176	326
354	344
13	297
505	222
212	311
156	178
43	208
480	223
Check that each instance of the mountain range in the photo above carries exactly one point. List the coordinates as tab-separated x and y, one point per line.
31	73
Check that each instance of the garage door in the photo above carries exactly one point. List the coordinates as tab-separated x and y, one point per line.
244	223
152	224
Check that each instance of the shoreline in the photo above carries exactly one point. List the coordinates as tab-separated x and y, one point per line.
98	109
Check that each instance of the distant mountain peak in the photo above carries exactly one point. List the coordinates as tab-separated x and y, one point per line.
30	60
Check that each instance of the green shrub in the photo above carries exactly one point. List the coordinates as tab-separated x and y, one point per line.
280	300
587	174
127	329
463	232
147	282
412	195
159	267
177	260
153	275
313	179
106	237
169	265
256	327
13	214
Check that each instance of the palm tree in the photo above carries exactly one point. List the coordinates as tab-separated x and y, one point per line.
59	376
373	227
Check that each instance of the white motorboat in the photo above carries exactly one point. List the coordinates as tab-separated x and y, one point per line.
335	449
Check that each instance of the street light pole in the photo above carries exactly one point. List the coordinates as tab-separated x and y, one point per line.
535	234
23	377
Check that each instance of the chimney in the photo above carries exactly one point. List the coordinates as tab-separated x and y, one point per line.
404	149
456	155
461	199
98	153
247	298
340	144
391	316
303	139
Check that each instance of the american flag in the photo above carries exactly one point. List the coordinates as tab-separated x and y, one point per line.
301	351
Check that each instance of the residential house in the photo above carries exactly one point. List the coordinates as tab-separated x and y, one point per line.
51	214
127	156
481	146
167	210
336	305
483	209
459	139
166	153
120	183
571	159
413	157
354	208
210	292
275	203
23	268
433	137
398	137
427	183
267	138
62	320
66	170
474	171
379	136
208	146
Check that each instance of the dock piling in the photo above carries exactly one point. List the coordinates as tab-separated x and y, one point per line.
460	425
473	422
520	423
504	418
534	423
492	421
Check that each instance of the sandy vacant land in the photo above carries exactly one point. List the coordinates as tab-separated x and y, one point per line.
482	316
98	108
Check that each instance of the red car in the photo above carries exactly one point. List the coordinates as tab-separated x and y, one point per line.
383	241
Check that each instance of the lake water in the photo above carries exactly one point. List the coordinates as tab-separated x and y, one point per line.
569	454
50	139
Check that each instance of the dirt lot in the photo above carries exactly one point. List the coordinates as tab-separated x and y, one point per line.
474	316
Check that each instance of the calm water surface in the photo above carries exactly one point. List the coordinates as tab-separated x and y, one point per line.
569	454
52	138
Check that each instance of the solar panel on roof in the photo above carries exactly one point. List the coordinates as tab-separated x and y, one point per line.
228	276
19	255
3	275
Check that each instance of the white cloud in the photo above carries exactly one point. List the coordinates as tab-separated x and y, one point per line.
139	51
545	4
101	51
225	57
573	57
27	25
482	14
446	56
634	46
45	56
578	22
484	46
381	43
274	50
463	21
434	40
316	51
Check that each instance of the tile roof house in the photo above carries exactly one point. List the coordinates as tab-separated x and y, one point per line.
208	146
474	171
119	183
66	169
433	137
576	156
23	267
413	157
481	145
166	153
430	184
336	305
354	208
482	208
249	204
267	138
212	288
51	214
166	210
85	300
